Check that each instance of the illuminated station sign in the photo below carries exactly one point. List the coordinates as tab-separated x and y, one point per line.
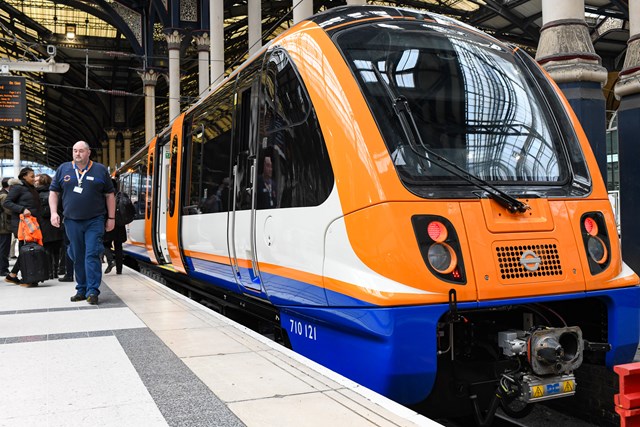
13	101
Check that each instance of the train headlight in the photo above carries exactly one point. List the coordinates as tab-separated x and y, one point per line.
440	247
596	241
597	249
442	258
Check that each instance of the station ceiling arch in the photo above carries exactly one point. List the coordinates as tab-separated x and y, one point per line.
114	40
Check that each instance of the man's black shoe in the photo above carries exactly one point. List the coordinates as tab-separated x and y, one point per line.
65	279
109	267
78	297
92	299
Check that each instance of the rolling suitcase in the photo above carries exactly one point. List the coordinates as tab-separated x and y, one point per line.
34	263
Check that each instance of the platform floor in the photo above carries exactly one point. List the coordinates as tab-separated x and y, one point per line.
148	356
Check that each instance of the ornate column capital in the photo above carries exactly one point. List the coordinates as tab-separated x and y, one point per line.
112	133
203	42
149	77
127	134
174	38
629	77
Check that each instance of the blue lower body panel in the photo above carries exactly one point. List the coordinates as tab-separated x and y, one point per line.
389	350
393	351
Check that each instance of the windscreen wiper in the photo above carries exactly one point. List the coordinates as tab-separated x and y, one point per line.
411	132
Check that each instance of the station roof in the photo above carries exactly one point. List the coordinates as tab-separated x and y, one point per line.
114	40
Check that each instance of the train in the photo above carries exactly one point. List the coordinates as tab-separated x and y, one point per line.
401	198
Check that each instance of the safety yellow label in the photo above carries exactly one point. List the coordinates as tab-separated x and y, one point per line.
568	386
537	391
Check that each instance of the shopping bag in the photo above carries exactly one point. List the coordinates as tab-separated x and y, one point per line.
29	229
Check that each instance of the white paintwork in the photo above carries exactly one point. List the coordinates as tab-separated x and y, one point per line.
135	231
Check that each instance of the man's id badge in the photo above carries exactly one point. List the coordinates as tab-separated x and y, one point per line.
77	190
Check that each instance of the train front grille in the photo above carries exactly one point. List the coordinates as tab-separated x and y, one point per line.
520	262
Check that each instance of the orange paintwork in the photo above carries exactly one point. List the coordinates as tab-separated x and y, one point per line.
499	220
381	233
377	208
148	216
173	222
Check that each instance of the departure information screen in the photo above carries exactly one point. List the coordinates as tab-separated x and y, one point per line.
13	101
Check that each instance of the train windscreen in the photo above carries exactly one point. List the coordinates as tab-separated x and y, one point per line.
444	92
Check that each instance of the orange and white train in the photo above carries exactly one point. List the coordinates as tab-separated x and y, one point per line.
407	200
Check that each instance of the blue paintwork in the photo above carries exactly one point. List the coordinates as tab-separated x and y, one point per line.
136	252
629	153
392	350
389	350
588	103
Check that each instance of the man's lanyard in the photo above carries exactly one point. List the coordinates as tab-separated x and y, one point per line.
80	174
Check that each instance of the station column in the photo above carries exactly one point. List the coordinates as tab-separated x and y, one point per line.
174	38
255	26
111	134
565	50
204	46
627	89
149	80
126	135
104	154
216	15
302	9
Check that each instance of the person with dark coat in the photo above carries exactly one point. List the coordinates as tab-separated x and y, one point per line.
5	230
22	199
114	239
52	237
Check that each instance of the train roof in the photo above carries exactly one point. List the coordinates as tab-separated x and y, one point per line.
340	16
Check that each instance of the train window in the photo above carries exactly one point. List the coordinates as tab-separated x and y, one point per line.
173	175
294	169
133	183
208	162
472	102
576	156
149	185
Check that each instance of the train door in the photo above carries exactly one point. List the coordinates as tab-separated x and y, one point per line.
151	196
242	223
174	200
160	197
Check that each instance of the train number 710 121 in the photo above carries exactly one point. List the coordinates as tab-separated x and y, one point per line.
303	329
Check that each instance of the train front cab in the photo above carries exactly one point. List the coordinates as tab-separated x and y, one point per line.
530	249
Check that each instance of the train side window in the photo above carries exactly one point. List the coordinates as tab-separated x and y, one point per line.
173	176
142	187
294	169
208	159
148	185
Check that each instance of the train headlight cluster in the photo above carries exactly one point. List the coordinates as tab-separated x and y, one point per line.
439	247
442	258
596	241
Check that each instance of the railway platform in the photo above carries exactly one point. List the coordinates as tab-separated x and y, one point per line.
147	355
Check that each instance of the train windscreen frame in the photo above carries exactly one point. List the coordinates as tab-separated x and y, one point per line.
473	102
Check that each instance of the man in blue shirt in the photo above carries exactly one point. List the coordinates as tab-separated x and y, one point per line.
87	197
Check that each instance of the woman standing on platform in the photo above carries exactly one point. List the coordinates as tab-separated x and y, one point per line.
51	236
22	199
